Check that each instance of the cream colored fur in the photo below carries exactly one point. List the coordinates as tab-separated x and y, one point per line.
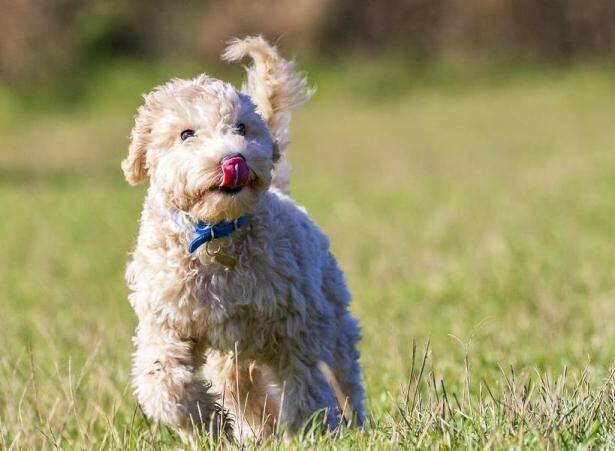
243	343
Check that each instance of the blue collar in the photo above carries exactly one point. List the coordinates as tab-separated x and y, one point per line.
206	232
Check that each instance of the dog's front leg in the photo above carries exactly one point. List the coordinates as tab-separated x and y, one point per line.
305	393
167	385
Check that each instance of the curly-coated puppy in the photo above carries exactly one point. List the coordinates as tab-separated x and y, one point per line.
239	300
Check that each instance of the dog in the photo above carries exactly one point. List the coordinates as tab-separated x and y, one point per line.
240	302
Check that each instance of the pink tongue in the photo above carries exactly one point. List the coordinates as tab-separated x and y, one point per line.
235	172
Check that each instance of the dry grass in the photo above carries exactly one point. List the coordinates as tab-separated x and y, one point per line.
478	220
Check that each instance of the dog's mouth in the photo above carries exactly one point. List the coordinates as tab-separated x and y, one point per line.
229	191
235	175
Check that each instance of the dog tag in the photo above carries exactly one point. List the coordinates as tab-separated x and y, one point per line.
216	254
225	260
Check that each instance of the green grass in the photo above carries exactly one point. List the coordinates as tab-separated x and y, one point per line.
476	216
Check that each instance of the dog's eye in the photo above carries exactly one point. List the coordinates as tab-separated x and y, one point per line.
240	129
186	134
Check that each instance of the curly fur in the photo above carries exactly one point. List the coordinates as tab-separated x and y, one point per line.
246	341
276	88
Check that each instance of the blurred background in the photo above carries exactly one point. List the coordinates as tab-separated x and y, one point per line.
460	154
44	39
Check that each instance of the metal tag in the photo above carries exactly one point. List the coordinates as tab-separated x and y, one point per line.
225	260
220	257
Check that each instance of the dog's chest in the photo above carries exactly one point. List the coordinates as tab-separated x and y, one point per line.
248	306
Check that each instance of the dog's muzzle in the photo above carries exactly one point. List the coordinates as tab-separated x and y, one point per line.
235	172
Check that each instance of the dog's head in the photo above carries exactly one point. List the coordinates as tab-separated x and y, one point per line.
204	147
210	149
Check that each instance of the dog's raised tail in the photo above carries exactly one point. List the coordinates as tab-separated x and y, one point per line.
276	88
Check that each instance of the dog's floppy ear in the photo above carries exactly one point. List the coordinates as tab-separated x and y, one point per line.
134	165
273	84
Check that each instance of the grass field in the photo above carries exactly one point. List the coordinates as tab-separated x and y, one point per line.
473	218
